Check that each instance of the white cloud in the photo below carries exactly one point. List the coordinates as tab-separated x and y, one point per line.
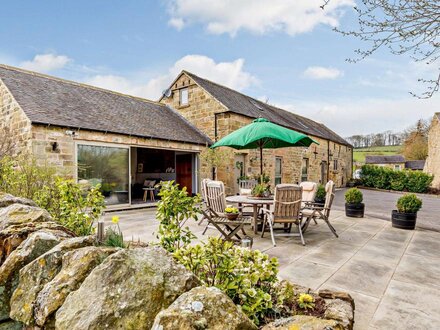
230	74
46	62
257	16
320	73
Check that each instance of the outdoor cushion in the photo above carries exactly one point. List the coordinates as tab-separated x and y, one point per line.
245	192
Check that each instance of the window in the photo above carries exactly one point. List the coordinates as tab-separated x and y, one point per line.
305	169
278	167
335	165
107	166
183	96
397	167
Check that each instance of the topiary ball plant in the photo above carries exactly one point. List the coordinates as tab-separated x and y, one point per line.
353	196
409	203
354	207
320	194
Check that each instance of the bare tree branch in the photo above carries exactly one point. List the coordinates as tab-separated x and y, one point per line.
7	143
409	27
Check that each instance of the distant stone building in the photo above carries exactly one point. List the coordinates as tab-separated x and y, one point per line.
396	162
432	165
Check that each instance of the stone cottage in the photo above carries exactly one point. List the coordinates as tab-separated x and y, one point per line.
395	162
217	111
432	165
120	141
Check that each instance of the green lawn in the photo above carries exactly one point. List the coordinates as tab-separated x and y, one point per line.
359	154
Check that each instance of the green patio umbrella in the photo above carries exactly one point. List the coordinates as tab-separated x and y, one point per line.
262	134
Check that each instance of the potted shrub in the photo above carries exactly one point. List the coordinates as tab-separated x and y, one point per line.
406	214
353	203
261	190
320	195
231	212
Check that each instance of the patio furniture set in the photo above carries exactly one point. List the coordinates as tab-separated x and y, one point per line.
290	205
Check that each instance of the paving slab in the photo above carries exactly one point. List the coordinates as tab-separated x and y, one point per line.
419	270
425	243
382	251
363	276
308	274
408	306
333	254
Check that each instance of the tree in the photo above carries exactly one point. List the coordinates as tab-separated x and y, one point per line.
404	27
415	146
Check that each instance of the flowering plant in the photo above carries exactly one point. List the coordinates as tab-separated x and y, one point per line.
231	209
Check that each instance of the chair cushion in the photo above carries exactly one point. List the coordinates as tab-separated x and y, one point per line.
245	192
307	212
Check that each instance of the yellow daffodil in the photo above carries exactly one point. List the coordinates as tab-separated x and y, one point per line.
115	219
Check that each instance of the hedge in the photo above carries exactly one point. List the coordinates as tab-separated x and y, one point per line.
387	178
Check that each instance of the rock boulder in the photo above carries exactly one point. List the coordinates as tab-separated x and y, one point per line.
203	308
35	245
126	291
8	199
76	266
38	273
16	214
303	322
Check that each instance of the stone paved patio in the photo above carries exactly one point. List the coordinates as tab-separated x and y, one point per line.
393	275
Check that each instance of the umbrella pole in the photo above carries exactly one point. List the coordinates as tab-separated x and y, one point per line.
261	161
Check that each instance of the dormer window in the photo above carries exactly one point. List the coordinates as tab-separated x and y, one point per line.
183	96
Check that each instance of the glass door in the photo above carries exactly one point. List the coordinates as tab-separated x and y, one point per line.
107	166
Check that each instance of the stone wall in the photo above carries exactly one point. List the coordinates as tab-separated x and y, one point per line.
63	157
432	165
14	118
211	117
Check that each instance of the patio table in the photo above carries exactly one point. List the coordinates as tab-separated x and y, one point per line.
251	201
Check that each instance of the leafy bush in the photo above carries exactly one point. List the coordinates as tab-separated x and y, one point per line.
320	193
174	208
409	203
418	182
246	276
66	201
398	180
386	178
353	196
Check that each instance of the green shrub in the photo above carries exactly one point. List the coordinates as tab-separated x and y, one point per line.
418	182
246	276
353	196
409	203
320	193
398	180
386	178
66	201
72	206
173	209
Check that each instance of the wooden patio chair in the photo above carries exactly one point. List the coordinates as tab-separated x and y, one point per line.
204	199
318	212
246	186
287	207
214	212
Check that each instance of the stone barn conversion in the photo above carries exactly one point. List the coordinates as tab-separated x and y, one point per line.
432	165
122	142
217	111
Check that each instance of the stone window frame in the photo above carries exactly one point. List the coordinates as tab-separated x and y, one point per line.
181	100
280	175
305	174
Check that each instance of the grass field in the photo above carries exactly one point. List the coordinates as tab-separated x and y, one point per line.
359	154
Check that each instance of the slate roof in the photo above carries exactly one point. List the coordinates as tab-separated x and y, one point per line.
54	101
245	105
384	159
415	164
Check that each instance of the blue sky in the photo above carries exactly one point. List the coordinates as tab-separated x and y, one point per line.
281	50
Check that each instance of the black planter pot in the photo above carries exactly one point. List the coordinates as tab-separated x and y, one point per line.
320	201
354	210
403	220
